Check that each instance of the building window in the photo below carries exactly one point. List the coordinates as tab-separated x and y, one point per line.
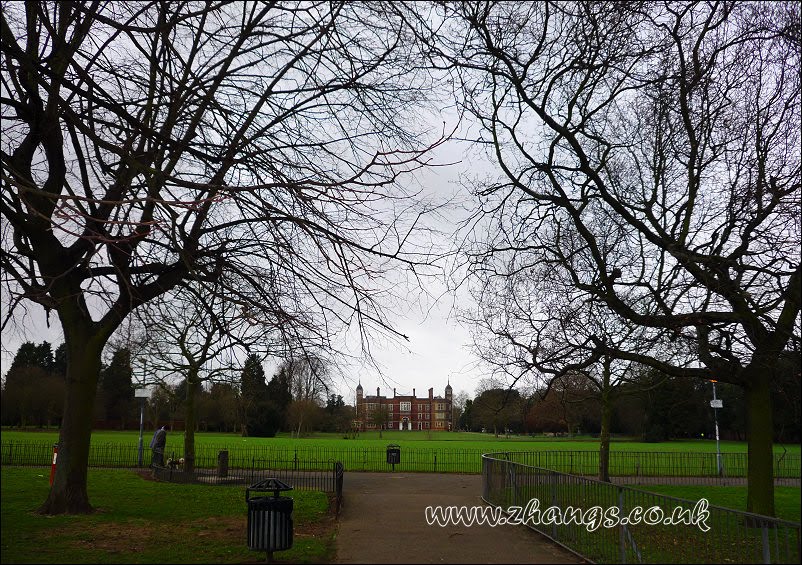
441	406
406	406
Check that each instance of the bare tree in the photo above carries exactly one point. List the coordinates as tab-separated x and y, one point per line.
303	416
531	324
379	417
309	377
458	407
564	405
651	154
145	144
193	333
496	408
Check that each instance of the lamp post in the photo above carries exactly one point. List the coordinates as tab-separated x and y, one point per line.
716	404
141	394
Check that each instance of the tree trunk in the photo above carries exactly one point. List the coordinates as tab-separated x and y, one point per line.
189	427
604	433
760	490
69	493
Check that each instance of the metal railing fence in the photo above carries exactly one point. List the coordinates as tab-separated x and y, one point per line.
322	476
629	466
581	503
242	467
626	467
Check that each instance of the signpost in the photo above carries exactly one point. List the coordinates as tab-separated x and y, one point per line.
141	394
715	404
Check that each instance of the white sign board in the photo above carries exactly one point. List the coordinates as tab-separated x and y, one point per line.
716	403
142	393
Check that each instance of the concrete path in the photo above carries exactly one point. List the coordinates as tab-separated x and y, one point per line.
382	521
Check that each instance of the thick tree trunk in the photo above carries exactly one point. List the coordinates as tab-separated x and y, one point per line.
189	427
69	493
760	490
604	434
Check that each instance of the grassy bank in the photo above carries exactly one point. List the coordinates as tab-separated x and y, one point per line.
143	521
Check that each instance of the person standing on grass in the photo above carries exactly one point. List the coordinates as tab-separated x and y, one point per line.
157	445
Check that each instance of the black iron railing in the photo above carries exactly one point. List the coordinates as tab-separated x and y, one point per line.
627	467
586	519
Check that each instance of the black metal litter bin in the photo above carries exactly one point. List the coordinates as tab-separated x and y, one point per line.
222	463
269	517
393	454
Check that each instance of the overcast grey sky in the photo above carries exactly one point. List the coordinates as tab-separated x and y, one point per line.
437	352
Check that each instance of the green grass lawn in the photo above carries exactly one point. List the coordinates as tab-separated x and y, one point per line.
786	499
420	452
416	439
143	521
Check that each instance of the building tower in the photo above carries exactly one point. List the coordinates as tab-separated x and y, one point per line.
449	407
359	399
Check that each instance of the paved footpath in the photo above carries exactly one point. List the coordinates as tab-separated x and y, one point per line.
382	521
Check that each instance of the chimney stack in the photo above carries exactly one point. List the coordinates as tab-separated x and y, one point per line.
413	393
431	393
377	391
393	392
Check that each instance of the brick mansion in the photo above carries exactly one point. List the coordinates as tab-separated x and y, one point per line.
403	412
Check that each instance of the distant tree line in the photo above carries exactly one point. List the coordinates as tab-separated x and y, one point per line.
33	387
33	392
652	407
296	399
